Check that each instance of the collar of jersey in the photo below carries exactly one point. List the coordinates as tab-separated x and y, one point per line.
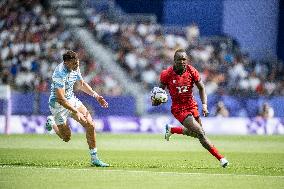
178	74
65	69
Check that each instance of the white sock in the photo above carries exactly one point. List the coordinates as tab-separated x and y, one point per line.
93	152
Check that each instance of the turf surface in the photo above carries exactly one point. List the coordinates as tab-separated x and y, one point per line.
140	161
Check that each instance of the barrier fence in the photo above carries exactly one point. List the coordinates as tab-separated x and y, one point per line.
152	124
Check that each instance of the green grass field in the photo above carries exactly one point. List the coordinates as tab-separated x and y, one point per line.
141	161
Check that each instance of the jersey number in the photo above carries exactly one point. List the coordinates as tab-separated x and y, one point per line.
182	89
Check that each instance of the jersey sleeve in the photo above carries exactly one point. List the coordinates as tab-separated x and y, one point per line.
164	77
58	80
195	74
79	76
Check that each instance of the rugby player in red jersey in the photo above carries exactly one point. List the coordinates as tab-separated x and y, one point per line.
179	79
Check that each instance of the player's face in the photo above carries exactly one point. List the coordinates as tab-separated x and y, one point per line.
180	61
73	64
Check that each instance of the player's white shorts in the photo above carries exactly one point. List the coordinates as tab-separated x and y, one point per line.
60	113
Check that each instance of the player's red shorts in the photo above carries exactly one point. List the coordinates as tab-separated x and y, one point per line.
182	113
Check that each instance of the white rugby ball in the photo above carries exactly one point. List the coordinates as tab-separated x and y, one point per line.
160	94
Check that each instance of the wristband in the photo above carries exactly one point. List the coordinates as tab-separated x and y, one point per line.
95	95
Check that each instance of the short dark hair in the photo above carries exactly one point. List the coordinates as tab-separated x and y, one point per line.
179	51
69	55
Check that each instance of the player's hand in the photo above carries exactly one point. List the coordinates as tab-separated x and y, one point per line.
205	110
102	101
79	116
156	102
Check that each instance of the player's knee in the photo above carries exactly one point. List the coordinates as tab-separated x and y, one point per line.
201	134
186	132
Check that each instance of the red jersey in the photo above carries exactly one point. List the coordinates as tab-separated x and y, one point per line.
180	86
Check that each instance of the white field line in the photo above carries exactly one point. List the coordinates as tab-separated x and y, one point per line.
136	171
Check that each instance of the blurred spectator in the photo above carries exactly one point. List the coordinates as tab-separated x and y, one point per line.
192	34
221	110
266	111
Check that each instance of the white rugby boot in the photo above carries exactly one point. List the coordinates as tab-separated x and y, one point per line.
224	162
167	132
49	123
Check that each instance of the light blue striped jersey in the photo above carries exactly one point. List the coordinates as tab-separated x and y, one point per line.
62	78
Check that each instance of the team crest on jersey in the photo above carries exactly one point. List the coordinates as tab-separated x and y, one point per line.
174	81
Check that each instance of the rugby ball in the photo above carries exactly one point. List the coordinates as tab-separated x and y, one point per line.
160	94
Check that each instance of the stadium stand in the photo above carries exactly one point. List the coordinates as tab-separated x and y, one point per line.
143	49
32	42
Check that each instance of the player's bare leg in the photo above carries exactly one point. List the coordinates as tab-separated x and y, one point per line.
63	131
195	130
89	126
56	130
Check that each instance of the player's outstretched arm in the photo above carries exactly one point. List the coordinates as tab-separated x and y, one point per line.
85	87
203	97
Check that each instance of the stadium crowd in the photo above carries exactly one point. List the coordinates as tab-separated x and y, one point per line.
32	41
143	49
